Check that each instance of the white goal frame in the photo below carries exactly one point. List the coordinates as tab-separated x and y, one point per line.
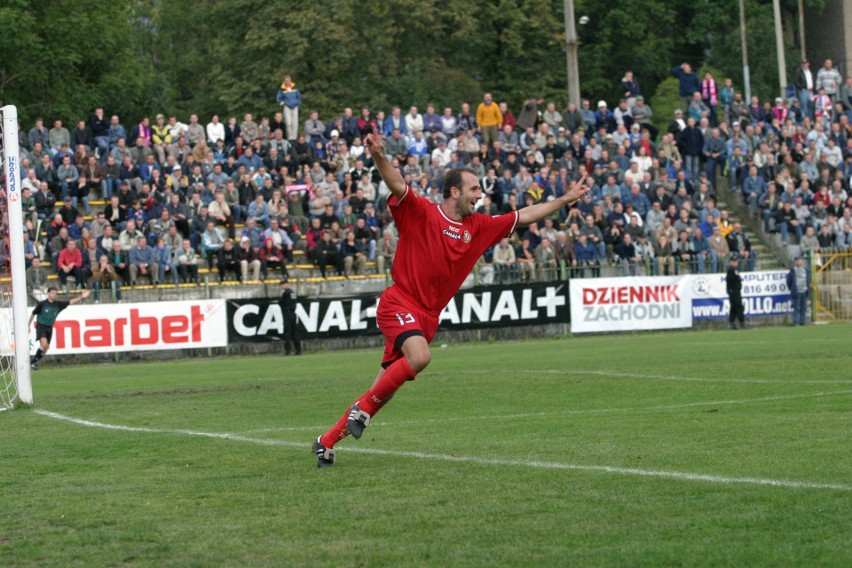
11	163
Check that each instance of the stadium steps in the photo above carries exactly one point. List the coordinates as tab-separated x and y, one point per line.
770	256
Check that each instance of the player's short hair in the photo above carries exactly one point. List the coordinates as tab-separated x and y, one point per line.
51	289
453	178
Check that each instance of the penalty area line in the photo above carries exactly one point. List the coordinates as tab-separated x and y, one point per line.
675	475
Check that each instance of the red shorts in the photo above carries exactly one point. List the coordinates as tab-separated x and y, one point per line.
399	318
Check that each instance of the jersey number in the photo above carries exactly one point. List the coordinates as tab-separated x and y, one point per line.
404	318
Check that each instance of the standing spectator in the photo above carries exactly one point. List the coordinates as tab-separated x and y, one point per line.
726	97
58	136
100	131
116	132
829	78
688	84
489	118
287	303
413	121
38	133
630	86
710	97
528	118
289	97
799	284
804	83
734	286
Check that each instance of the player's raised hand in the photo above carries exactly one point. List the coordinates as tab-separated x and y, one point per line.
578	190
373	142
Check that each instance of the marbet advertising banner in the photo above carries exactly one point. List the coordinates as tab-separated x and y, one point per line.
151	326
764	293
625	304
493	306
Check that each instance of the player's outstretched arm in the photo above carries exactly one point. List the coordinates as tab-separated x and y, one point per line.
79	298
539	211
392	177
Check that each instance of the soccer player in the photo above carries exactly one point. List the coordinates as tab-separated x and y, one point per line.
45	314
438	246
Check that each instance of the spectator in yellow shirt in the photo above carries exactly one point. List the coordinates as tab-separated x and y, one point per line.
489	118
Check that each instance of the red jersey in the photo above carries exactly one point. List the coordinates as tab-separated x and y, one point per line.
435	253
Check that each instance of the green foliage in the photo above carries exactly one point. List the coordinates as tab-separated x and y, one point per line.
664	102
228	56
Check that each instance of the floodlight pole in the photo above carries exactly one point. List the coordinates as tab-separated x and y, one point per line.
779	45
746	77
573	65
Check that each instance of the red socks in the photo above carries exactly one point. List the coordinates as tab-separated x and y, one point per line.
372	400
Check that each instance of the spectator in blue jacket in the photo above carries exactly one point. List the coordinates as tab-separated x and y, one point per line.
143	262
688	84
395	122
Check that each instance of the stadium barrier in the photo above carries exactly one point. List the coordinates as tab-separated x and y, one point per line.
832	285
518	310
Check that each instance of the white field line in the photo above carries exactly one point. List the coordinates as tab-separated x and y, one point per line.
561	412
676	475
653	377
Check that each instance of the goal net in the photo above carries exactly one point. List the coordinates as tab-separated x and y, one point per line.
15	383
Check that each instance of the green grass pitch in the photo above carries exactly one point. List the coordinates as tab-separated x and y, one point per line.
725	448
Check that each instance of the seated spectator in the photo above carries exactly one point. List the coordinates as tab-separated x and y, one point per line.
587	256
645	252
354	255
719	246
385	251
627	256
525	258
228	261
186	263
211	242
248	259
271	257
221	212
164	258
545	260
104	275
664	256
37	280
280	239
702	252
143	262
683	251
326	254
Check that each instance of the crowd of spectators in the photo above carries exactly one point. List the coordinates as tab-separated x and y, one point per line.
245	201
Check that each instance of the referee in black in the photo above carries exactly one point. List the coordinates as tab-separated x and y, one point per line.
287	302
734	284
45	314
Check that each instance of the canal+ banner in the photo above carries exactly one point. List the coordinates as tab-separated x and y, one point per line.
631	303
260	320
764	293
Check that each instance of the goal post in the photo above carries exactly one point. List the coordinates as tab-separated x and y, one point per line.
16	347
